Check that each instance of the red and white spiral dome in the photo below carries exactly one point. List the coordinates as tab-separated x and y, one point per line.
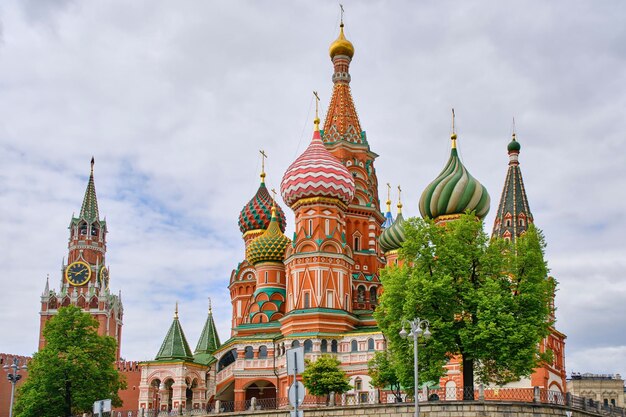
317	173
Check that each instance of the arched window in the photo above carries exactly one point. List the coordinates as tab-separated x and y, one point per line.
333	346
358	384
249	352
357	243
354	346
310	227
83	228
263	352
307	299
370	344
327	227
94	230
521	222
373	295
360	293
295	344
508	223
308	346
227	359
324	346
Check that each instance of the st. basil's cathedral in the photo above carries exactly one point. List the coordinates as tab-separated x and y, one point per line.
317	289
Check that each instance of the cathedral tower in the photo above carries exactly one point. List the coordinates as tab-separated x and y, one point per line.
85	276
318	188
344	138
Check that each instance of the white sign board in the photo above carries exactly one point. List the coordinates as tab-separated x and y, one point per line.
295	360
101	405
296	393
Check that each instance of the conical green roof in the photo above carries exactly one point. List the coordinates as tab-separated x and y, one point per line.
209	339
89	209
175	345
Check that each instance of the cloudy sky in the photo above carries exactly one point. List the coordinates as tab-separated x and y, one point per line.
174	100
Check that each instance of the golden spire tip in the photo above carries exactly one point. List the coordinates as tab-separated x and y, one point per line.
176	311
399	200
514	135
263	156
93	161
316	121
210	308
453	135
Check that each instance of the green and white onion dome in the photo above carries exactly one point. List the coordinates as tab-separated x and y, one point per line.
454	191
392	237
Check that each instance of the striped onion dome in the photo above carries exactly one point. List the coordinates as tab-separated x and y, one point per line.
256	214
270	246
317	173
454	191
392	238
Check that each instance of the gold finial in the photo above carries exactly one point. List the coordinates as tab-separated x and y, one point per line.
399	200
514	135
93	161
341	7
274	202
176	311
453	136
316	121
388	197
263	156
210	309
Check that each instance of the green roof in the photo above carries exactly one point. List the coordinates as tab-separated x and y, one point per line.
175	345
209	339
89	209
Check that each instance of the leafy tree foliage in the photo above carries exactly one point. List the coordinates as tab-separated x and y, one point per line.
487	301
383	373
324	376
74	369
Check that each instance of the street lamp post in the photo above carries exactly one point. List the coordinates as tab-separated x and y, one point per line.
13	375
418	327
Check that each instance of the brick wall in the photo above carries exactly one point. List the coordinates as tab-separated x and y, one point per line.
5	385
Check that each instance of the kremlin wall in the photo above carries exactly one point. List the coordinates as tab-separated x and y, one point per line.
317	289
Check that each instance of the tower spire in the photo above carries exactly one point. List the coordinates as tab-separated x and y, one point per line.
89	209
399	200
514	213
316	121
263	157
453	136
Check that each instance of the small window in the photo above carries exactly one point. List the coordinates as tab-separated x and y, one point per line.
508	223
324	346
263	352
373	295
358	384
249	352
361	293
354	346
370	344
83	229
295	344
94	230
357	243
330	299
327	227
333	346
266	276
307	299
521	222
308	346
310	227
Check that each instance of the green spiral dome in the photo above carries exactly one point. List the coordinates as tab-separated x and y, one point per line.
454	191
270	246
393	236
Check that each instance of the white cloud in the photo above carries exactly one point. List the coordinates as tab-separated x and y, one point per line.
175	101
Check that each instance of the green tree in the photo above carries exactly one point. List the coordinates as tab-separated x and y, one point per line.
74	369
383	373
324	376
487	301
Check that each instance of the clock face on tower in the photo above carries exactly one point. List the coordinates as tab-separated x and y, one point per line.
78	273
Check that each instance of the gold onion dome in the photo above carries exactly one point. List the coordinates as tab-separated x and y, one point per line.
270	246
393	236
454	191
341	46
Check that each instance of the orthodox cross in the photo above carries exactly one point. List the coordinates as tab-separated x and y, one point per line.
209	305
341	7
388	193
317	102
453	128
263	156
